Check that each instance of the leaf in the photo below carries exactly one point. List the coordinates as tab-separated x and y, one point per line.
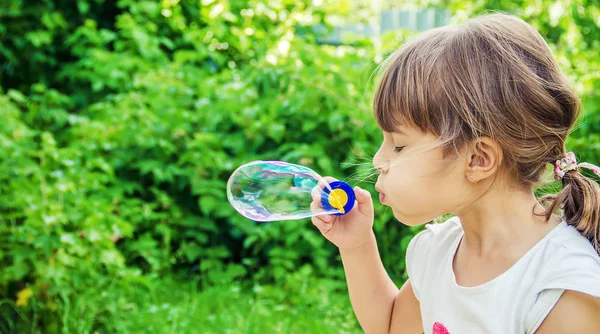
191	250
23	296
39	38
276	131
16	95
249	241
207	204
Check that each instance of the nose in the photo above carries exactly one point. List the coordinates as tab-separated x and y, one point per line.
380	169
380	164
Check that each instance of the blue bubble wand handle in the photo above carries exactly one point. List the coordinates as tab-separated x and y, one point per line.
340	197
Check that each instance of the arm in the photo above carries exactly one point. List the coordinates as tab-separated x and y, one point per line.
575	312
406	315
375	298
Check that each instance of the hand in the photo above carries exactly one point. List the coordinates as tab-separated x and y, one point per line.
351	230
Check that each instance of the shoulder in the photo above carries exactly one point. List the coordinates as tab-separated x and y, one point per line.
573	263
567	284
429	247
583	315
437	234
570	240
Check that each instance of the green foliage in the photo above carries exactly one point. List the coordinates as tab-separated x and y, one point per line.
123	127
154	304
121	123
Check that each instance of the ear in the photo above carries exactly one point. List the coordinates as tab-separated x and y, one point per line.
483	159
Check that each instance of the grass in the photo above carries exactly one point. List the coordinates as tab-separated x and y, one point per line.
180	308
299	304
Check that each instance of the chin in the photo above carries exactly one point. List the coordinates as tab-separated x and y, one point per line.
408	220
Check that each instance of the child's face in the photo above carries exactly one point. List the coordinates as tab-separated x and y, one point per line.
418	183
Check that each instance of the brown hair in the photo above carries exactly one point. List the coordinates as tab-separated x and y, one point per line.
492	76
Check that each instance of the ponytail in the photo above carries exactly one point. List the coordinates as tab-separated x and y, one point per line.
579	199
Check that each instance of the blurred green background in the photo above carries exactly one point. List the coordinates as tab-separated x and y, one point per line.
121	121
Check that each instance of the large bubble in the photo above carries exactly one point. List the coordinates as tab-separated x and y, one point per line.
275	190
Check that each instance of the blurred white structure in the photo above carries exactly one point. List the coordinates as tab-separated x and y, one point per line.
390	19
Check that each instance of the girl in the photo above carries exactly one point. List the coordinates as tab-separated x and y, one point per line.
471	117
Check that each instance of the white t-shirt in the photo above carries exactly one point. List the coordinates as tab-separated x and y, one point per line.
517	301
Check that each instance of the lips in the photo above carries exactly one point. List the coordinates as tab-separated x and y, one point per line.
381	195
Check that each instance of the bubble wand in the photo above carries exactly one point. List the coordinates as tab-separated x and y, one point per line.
276	190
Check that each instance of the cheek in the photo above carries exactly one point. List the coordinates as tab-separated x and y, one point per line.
410	189
421	191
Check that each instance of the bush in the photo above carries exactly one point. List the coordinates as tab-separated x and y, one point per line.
121	123
126	127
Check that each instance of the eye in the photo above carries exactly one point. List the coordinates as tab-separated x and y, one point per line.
398	148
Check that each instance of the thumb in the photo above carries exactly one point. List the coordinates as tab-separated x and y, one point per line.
365	202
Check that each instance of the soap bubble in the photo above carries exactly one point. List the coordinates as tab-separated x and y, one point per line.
275	190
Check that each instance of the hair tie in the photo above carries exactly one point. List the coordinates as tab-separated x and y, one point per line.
569	163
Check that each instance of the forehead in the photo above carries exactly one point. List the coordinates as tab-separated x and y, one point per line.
409	135
399	131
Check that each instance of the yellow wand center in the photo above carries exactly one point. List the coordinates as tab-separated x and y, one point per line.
338	199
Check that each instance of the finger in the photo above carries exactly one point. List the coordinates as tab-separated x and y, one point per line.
327	179
322	223
317	197
315	193
315	206
364	200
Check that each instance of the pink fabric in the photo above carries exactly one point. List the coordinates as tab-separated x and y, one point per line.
569	163
439	328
